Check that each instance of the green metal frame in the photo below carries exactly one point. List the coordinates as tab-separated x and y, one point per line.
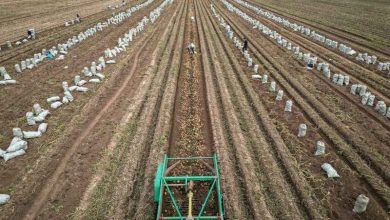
163	179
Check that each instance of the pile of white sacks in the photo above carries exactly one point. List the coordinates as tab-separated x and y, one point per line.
18	145
307	32
62	49
338	79
362	201
369	99
6	77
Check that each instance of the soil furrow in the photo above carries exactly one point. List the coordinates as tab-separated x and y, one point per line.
234	195
256	197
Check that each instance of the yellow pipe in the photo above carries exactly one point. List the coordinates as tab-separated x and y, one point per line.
190	195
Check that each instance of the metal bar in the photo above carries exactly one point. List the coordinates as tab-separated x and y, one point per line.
159	209
173	200
183	218
190	158
220	205
194	178
207	199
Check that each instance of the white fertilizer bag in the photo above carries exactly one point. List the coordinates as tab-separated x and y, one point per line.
17	68
381	107
17	132
302	130
288	106
320	148
77	79
37	109
42	128
110	62
31	134
69	96
272	87
2	152
279	96
4	198
94	81
264	79
65	86
56	104
82	89
82	82
101	76
44	114
330	171
53	99
65	100
256	77
30	118
9	156
17	144
72	88
361	204
256	68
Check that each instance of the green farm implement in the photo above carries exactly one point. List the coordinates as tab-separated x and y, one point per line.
188	197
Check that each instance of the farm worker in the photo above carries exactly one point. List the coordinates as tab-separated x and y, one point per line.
191	48
30	34
245	47
49	55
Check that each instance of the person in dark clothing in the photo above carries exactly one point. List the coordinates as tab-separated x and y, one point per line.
245	47
29	34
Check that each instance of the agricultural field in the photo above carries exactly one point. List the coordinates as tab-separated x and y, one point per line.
294	126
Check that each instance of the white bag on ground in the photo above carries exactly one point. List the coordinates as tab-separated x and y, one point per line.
2	152
94	81
37	109
330	171
69	96
279	96
288	106
31	134
17	132
302	130
53	99
30	118
320	148
42	128
56	104
17	144
361	204
12	155
82	89
4	198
